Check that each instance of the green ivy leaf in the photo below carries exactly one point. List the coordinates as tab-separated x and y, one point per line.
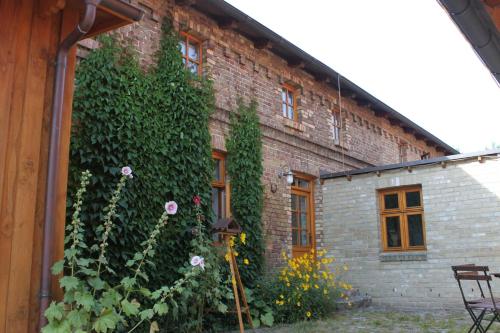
55	311
58	267
130	308
128	282
160	308
107	320
146	314
85	300
267	319
69	283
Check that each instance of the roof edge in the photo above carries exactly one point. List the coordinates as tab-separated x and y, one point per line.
318	69
436	160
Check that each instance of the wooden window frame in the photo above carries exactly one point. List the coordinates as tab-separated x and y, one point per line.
402	212
293	90
337	126
223	183
309	192
186	38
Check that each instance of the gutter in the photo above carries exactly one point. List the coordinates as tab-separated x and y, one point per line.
494	153
476	25
83	27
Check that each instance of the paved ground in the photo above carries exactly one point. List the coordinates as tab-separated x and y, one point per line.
377	321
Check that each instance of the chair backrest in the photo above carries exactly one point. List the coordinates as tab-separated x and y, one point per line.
479	274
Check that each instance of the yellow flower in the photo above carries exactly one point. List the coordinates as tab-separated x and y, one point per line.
325	291
298	303
231	241
308	314
288	284
227	257
245	261
243	238
316	286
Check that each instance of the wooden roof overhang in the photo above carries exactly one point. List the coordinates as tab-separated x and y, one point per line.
110	15
229	17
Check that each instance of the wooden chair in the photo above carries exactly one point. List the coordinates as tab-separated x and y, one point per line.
483	304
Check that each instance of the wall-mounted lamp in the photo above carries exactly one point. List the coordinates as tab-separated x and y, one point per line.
286	172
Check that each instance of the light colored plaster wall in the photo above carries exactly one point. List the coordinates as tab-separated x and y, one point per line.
462	217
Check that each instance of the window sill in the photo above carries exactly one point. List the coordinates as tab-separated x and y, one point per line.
403	256
293	124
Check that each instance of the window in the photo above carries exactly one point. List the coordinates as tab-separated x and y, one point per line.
191	53
402	219
220	187
425	156
336	127
288	103
303	233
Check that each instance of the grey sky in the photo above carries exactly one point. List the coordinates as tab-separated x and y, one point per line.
409	54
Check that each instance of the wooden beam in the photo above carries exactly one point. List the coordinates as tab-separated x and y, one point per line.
430	143
364	103
262	43
296	63
408	130
394	121
227	23
185	3
419	136
379	113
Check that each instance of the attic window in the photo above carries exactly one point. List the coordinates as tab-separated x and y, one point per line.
288	102
191	53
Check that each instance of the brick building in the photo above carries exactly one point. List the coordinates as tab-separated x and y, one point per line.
312	118
401	227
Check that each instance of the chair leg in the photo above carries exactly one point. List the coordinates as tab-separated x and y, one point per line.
476	319
495	317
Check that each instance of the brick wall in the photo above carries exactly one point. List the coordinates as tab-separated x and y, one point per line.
462	222
239	69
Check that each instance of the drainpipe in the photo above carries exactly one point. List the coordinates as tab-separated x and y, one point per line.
80	30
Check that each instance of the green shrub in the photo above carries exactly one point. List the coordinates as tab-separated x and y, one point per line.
305	288
244	166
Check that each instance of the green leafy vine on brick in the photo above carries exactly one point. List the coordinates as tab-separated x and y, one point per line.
244	164
156	122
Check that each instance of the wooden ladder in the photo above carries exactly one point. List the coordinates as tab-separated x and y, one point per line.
236	283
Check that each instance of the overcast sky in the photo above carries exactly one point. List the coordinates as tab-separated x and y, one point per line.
408	54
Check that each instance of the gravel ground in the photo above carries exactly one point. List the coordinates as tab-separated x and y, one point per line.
381	321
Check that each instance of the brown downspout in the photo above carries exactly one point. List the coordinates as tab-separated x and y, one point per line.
127	11
80	30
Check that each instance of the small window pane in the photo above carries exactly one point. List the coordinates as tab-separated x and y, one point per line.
290	98
303	204
295	237
391	201
184	61
413	199
215	202
290	112
283	106
193	68
415	230
303	238
393	231
193	51
182	46
303	183
294	220
217	165
283	95
303	221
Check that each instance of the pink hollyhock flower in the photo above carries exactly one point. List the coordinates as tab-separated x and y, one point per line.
198	261
171	207
197	200
127	171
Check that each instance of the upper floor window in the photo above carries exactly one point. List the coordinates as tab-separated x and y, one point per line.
402	219
336	127
288	103
191	53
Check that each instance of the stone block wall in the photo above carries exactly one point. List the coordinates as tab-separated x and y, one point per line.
462	224
238	69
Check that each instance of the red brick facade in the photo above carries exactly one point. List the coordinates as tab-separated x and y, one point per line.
238	69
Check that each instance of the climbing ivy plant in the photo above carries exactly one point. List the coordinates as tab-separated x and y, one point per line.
244	165
156	122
